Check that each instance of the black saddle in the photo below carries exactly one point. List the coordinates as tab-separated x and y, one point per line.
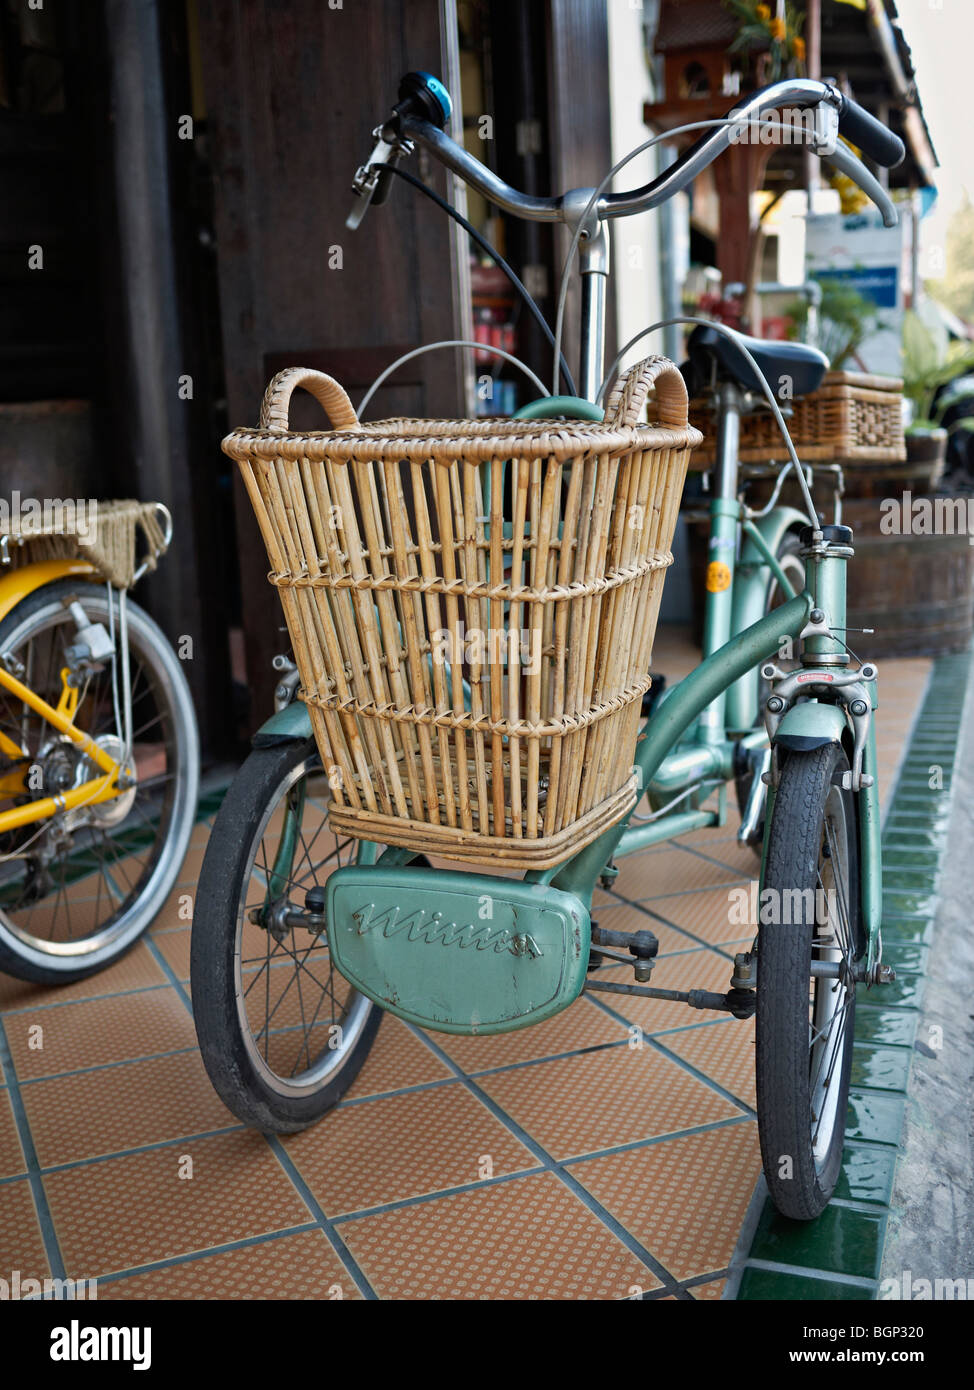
790	369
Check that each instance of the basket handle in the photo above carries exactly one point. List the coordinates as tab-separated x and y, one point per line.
628	396
277	399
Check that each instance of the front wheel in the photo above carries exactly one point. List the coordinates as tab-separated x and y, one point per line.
282	1034
810	938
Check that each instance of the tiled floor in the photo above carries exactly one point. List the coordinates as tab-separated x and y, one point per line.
608	1153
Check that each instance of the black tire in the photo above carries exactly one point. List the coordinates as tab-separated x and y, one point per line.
255	1088
802	1065
115	868
789	557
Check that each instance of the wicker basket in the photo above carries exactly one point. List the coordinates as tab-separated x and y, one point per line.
850	417
472	607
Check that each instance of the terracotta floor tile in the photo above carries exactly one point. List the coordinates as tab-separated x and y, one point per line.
11	1154
699	969
724	1051
655	873
174	948
398	1058
129	1211
300	1267
403	1146
201	834
740	858
707	839
136	970
21	1245
177	910
628	918
582	1104
99	1031
122	1107
193	862
713	1289
522	1240
720	914
527	1238
579	1026
675	654
683	1199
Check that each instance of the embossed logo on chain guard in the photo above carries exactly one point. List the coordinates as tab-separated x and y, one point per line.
456	952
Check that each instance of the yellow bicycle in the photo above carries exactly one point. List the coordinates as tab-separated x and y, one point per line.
99	754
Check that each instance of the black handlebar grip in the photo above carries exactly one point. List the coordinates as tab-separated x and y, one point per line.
872	137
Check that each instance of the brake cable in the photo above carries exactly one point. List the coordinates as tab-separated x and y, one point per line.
498	259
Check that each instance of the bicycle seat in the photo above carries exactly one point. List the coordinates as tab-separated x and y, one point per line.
790	369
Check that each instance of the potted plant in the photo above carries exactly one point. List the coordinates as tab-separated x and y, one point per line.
846	319
930	363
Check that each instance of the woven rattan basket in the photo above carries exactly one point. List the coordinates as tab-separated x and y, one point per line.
472	606
850	417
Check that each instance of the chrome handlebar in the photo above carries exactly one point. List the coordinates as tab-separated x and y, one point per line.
830	107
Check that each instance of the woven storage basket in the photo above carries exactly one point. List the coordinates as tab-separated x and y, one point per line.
472	607
851	416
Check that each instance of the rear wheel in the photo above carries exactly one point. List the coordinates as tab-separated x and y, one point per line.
806	1020
78	888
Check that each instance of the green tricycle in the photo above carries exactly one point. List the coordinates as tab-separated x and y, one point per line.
303	935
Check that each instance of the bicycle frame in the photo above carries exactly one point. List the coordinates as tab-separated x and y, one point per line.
13	588
698	726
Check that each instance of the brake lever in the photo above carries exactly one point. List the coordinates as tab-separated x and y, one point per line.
842	158
367	176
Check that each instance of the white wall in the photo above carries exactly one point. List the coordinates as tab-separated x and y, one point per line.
635	239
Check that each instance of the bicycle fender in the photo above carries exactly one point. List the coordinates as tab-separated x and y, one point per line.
292	724
19	583
811	725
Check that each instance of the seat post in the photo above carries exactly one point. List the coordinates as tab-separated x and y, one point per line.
728	441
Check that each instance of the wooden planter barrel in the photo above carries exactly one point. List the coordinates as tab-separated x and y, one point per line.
917	591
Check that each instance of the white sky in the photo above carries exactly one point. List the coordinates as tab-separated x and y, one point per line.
941	36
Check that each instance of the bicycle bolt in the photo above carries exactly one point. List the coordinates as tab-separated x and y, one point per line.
858	708
817	615
775	704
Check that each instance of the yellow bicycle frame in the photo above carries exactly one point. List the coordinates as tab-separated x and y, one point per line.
14	588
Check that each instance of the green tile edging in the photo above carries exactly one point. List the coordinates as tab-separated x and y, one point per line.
839	1255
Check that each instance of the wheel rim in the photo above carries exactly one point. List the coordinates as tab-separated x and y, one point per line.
832	1000
74	896
290	999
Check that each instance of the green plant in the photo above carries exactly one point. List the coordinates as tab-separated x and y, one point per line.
928	364
846	319
761	30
